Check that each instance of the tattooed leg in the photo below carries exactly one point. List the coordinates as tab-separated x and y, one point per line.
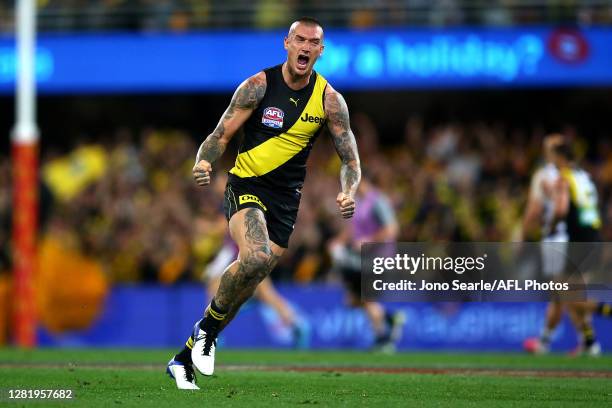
247	292
255	261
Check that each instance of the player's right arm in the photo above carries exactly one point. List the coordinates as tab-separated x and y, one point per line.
245	100
535	207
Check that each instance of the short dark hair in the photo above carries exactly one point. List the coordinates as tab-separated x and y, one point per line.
309	20
306	20
564	149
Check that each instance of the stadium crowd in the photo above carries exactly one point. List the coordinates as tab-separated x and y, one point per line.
129	207
146	15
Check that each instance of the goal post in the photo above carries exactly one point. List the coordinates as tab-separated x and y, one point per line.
25	178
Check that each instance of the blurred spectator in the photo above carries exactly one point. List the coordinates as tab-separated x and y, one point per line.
272	14
181	15
131	205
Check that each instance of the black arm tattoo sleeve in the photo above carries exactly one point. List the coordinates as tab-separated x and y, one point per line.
344	141
247	97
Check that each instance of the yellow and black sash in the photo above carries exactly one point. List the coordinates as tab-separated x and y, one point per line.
583	218
280	133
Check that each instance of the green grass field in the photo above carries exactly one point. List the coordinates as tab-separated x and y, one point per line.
251	378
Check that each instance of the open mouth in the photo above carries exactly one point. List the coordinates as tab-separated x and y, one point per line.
302	61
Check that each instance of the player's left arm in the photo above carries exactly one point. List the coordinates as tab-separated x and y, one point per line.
339	127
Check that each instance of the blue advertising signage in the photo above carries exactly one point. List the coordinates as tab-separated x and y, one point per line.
352	60
326	322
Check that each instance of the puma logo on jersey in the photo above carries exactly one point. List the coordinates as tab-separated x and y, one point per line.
312	119
295	101
250	198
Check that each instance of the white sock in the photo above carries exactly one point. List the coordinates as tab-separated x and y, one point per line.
546	335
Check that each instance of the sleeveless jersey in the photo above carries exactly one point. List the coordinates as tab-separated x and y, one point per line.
280	133
583	219
548	175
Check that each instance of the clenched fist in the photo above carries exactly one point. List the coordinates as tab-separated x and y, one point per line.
346	203
201	172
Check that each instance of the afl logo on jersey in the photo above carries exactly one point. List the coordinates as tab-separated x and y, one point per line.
273	117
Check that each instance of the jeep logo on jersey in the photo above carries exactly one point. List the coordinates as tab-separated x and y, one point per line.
273	117
311	119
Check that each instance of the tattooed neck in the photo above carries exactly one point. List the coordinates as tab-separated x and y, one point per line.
294	80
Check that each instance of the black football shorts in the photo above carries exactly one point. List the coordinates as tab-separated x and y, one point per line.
280	207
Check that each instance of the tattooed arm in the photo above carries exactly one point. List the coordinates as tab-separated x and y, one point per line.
340	128
245	100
